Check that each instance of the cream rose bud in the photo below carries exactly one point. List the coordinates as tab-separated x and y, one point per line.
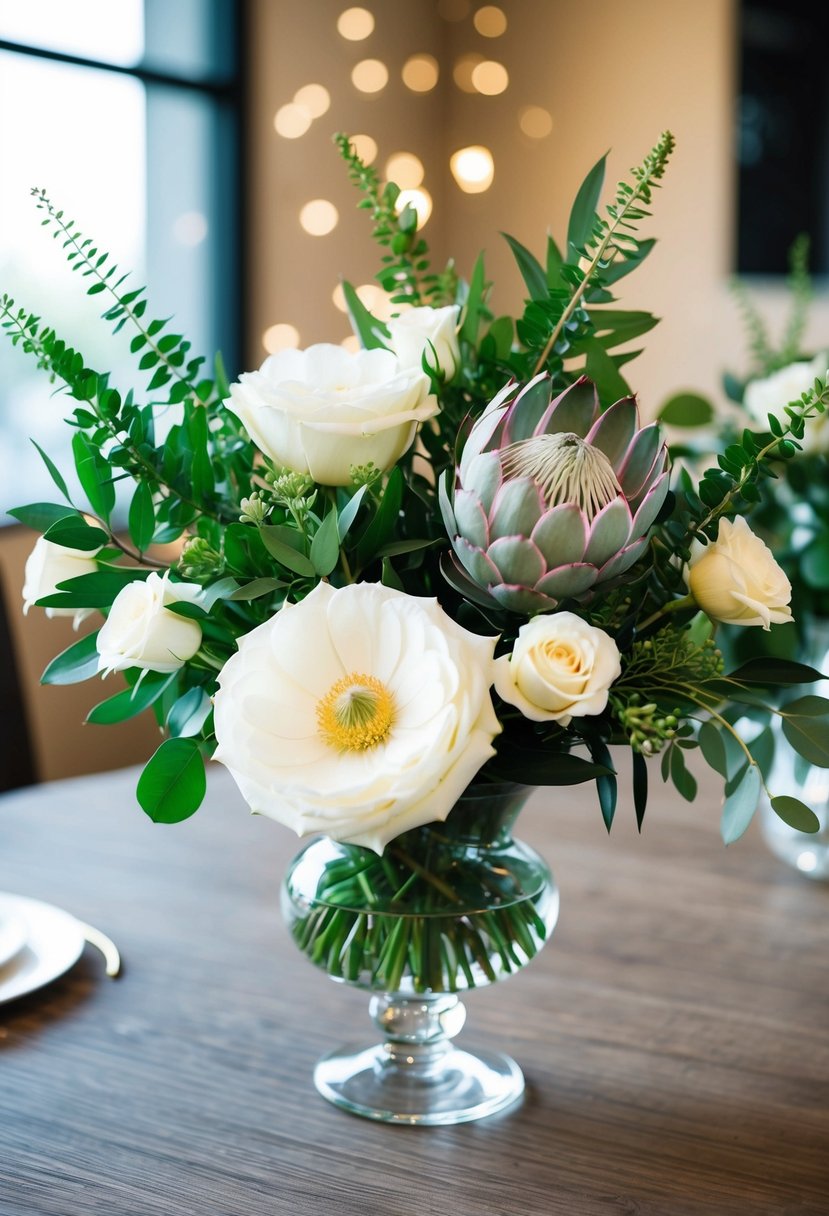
360	713
773	393
140	630
49	564
411	333
736	580
560	668
323	410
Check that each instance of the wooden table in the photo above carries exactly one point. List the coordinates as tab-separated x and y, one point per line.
674	1034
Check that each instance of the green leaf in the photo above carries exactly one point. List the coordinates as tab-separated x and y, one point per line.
795	813
740	803
201	470
73	533
554	264
640	787
285	554
775	673
684	781
382	526
94	474
189	713
256	588
622	266
686	409
132	701
41	515
221	590
806	731
141	518
583	214
78	662
475	306
349	512
325	547
531	270
369	330
172	785
543	767
601	369
53	472
713	748
396	547
761	750
96	590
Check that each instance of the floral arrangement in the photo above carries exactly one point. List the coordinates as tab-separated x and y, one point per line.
449	561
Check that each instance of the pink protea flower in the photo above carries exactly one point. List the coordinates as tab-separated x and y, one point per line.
553	498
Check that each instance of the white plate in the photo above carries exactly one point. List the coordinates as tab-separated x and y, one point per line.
53	943
12	935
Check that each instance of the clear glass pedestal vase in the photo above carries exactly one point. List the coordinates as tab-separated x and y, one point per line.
807	852
448	907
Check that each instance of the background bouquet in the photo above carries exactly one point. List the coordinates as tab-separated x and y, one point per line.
450	560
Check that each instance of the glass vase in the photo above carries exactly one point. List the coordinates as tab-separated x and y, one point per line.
808	852
447	907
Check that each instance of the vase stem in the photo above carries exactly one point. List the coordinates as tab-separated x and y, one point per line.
416	1075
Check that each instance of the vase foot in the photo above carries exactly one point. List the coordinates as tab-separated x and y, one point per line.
375	1083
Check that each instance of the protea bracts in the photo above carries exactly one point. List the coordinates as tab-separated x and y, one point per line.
553	498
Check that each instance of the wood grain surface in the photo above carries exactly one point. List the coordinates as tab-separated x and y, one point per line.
674	1034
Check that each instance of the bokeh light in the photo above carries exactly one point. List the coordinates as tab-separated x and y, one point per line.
315	98
420	73
280	337
473	168
365	147
292	120
490	21
535	121
319	217
355	24
490	78
370	75
405	169
463	69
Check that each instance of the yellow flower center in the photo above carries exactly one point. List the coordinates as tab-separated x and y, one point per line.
566	468
356	713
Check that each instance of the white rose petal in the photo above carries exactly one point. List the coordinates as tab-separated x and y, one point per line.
736	580
560	668
322	410
140	630
411	333
773	393
426	674
49	564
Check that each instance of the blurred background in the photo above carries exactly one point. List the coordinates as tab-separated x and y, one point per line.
193	141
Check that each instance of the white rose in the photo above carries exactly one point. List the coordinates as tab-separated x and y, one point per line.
140	630
411	333
560	668
49	564
359	713
773	393
736	580
324	409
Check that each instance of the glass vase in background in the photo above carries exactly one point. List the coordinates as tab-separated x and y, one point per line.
447	907
807	852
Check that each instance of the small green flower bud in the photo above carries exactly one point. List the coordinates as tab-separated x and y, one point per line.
199	560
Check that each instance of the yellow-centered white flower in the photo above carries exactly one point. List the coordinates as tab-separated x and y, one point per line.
735	579
141	631
560	668
359	713
773	393
49	564
430	333
323	410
